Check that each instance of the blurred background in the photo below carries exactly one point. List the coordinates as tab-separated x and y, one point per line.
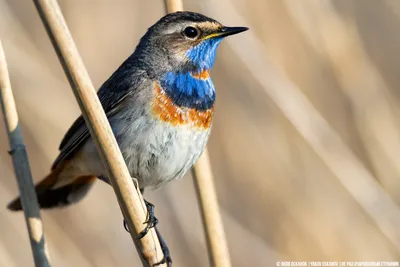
305	144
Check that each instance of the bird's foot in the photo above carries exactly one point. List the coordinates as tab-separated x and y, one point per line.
151	220
164	247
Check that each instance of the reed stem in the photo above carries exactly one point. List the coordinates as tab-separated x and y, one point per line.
21	168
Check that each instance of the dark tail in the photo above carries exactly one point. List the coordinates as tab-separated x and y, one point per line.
59	197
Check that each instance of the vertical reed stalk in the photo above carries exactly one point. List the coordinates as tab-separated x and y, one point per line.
21	167
217	244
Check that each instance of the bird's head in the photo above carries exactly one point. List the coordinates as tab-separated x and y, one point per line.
183	40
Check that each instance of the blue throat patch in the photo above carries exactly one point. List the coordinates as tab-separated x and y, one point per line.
203	54
186	89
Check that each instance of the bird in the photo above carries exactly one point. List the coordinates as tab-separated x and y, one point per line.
160	105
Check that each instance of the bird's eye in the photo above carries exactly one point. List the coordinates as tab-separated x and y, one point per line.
190	32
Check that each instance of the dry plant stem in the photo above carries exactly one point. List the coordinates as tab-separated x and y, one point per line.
211	216
173	5
21	167
217	245
129	198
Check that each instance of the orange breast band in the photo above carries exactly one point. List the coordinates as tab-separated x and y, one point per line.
165	110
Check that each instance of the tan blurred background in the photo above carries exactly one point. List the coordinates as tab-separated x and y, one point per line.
286	193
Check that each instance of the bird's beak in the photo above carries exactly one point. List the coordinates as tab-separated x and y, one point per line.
226	31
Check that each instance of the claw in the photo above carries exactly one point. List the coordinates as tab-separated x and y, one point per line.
151	220
126	226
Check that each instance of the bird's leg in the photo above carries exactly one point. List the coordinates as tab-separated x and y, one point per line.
136	183
164	247
151	220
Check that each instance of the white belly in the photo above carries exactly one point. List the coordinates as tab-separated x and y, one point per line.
156	152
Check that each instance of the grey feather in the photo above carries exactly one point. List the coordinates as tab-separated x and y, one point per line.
125	81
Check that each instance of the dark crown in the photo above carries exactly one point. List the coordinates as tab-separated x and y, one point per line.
182	16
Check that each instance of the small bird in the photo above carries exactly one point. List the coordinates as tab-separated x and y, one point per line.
160	105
